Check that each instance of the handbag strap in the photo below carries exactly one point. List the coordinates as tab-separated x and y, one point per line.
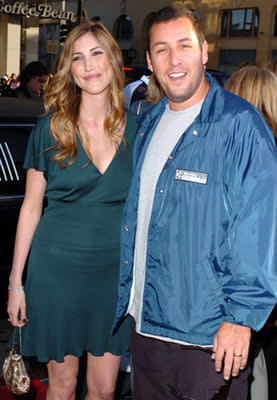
20	340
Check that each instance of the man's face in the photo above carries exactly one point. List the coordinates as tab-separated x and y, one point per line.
178	62
36	84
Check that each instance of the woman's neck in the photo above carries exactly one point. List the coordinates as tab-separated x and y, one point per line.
94	109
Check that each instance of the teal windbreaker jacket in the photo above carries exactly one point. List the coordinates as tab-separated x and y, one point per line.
212	239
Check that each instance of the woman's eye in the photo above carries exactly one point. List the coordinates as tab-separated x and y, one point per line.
76	58
97	53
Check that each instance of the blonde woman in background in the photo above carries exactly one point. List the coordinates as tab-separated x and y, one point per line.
272	66
258	86
80	154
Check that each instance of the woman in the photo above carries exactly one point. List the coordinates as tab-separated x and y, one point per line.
80	154
258	86
272	66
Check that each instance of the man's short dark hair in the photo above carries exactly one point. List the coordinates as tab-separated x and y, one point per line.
33	69
173	12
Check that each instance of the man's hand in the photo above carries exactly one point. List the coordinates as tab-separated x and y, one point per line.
231	345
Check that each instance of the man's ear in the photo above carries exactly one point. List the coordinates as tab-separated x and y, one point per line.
205	52
149	63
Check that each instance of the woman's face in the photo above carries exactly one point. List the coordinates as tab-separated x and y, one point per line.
90	66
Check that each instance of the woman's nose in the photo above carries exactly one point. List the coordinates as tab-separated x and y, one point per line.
88	64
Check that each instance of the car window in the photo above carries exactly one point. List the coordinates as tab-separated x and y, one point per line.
13	142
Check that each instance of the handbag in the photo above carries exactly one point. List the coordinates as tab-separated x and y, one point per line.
15	374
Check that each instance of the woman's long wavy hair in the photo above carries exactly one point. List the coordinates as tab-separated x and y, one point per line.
63	96
258	86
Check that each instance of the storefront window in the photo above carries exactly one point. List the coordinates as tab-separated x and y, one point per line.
240	22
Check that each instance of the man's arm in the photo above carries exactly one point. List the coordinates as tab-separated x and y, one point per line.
250	288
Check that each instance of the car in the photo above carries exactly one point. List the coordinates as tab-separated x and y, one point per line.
17	118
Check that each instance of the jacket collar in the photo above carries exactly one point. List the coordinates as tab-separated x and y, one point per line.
211	109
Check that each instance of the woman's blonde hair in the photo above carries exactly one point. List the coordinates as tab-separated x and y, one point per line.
258	86
154	92
272	66
63	96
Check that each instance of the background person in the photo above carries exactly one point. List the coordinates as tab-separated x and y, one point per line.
32	79
198	260
135	91
80	153
258	86
4	85
272	66
13	82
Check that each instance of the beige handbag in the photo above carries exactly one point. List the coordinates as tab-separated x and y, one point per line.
14	371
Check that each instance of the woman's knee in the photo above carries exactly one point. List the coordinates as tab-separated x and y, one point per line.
62	389
103	392
62	380
101	376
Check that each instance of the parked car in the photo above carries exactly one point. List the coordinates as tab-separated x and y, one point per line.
17	118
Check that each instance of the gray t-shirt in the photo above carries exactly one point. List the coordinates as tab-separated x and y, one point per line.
169	130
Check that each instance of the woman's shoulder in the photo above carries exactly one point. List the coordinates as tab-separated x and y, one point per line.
41	131
44	120
131	118
131	121
131	127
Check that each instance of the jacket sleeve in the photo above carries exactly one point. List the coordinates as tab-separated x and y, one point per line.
250	181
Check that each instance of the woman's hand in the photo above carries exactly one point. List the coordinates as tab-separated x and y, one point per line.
17	308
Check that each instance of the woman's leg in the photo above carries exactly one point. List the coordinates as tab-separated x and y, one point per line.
101	376
62	378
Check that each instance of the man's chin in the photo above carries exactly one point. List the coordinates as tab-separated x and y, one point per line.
174	98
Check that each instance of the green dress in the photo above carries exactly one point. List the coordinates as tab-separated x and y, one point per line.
73	267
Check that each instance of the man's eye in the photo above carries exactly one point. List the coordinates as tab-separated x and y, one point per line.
160	51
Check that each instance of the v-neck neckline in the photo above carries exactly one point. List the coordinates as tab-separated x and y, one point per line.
92	163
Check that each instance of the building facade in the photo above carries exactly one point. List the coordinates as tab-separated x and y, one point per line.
236	30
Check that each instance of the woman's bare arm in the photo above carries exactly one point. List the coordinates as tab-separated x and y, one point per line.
29	217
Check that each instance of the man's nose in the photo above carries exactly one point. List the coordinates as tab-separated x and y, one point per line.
174	55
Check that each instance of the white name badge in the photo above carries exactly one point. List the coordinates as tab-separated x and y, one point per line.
191	176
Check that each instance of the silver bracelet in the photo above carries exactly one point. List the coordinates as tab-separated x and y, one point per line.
16	288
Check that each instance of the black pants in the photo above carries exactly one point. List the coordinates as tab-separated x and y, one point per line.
165	371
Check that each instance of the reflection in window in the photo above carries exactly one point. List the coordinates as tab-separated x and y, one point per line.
123	28
240	22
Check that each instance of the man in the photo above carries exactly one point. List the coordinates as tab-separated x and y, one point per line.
198	253
135	91
32	79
